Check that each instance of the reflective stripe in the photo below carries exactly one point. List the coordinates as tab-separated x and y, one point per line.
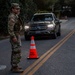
32	47
32	42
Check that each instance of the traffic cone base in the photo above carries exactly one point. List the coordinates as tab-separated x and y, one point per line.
33	54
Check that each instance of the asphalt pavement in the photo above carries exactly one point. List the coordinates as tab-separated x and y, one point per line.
56	57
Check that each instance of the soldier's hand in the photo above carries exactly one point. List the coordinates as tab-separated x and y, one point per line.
15	39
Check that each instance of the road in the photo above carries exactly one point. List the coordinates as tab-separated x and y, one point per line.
56	56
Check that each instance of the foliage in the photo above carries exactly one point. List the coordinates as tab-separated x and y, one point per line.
45	4
29	7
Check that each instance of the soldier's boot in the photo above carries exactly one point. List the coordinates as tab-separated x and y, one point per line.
17	67
17	70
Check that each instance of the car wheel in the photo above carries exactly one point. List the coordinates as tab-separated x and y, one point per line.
54	36
26	37
59	32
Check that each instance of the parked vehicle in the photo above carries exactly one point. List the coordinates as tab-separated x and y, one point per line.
43	24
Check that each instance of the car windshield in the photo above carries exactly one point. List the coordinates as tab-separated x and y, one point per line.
43	17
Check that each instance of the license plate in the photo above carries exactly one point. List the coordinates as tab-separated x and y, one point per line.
38	32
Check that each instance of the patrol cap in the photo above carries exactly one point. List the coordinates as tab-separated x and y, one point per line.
15	5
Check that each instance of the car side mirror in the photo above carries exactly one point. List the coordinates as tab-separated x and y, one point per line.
60	21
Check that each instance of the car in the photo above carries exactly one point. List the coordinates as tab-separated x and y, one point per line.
41	25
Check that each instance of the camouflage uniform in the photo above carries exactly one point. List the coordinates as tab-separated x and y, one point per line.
14	27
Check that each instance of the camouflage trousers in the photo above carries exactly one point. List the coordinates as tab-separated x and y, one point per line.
16	51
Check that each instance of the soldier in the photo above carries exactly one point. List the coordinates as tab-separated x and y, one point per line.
14	27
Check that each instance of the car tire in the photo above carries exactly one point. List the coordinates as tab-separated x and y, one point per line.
59	32
26	37
54	36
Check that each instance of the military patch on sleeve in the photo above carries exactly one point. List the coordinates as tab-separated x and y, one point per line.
12	18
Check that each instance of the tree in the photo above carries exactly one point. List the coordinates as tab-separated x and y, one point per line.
45	4
29	8
3	17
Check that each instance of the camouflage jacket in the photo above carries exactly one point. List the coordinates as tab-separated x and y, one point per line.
14	25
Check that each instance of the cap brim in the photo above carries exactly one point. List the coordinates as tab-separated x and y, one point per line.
17	7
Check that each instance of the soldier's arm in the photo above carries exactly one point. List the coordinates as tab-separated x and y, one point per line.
11	23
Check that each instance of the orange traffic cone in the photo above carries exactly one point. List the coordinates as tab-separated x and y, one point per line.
33	53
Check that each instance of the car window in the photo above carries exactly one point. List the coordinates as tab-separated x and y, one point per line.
46	17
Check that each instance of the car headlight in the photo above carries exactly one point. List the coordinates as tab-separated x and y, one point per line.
26	27
50	26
